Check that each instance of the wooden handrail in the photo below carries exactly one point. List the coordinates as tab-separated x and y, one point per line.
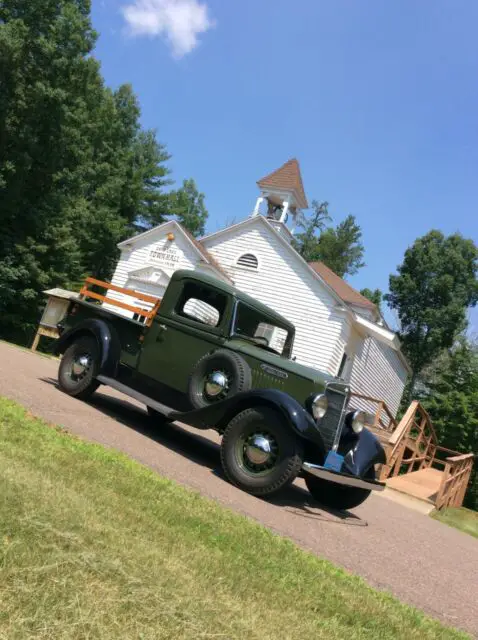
404	424
381	407
416	438
455	480
446	450
415	459
461	457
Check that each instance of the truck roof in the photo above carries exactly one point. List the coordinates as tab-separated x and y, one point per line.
199	276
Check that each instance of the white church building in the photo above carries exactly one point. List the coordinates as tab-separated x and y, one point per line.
337	330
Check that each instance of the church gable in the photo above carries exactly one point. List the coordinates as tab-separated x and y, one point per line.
166	248
255	247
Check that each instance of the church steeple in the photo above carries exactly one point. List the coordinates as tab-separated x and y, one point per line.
283	192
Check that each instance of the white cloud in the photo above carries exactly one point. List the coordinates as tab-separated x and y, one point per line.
179	21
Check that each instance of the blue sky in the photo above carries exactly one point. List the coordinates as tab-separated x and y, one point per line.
377	99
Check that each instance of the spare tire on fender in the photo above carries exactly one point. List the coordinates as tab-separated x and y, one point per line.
218	376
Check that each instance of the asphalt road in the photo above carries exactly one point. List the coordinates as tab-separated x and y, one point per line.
419	560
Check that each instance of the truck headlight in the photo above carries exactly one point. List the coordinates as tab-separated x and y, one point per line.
357	420
319	406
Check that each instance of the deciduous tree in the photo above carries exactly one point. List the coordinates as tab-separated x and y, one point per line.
435	285
340	247
186	205
306	242
374	296
77	173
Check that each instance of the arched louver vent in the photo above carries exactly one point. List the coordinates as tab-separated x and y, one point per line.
248	260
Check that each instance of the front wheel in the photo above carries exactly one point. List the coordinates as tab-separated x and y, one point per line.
79	367
259	452
338	496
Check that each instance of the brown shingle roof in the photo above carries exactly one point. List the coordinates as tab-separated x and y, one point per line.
205	254
288	178
342	288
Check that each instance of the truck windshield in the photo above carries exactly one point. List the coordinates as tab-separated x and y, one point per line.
263	331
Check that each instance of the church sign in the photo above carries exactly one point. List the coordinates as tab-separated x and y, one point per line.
166	257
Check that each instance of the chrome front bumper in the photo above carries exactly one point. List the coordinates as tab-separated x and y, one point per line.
342	478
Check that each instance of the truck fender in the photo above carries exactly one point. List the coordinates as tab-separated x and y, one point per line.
106	336
366	452
219	415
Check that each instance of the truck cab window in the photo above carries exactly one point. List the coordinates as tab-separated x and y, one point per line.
201	304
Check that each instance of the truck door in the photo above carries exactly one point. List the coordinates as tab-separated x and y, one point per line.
179	338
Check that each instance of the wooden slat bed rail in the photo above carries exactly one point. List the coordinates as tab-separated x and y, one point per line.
85	292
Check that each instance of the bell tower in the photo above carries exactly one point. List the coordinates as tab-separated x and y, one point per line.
282	196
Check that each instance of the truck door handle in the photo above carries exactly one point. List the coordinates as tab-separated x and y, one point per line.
159	336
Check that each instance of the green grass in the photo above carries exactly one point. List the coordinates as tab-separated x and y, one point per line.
462	519
94	545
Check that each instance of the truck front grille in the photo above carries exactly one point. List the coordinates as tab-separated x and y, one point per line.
337	395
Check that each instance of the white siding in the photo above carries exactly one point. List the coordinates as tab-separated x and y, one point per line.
343	344
287	287
378	372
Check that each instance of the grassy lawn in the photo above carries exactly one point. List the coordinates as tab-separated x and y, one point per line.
463	519
93	545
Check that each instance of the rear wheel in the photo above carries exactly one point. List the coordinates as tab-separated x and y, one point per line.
79	367
259	452
338	496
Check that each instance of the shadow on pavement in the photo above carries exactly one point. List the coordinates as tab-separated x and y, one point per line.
203	451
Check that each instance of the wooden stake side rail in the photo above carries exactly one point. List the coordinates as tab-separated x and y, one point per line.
149	315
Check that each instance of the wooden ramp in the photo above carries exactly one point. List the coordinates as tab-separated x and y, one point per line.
416	465
424	484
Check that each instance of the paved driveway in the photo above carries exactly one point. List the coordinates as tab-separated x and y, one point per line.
419	560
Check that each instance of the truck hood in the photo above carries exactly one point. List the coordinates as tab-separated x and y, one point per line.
316	376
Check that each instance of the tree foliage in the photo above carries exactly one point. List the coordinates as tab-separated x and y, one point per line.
340	247
306	242
450	394
435	285
187	206
77	172
374	296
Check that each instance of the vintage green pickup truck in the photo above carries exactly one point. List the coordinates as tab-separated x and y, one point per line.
212	357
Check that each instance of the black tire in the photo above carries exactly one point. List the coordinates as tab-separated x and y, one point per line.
229	363
279	471
80	385
159	419
337	496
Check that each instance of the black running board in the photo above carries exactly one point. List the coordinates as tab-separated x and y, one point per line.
140	397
